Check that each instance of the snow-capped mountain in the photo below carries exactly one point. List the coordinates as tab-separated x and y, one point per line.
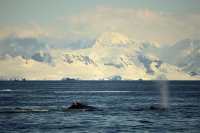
113	56
184	54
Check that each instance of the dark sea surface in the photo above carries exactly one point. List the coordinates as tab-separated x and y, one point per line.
123	106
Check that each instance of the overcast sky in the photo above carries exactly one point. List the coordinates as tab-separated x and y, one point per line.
162	21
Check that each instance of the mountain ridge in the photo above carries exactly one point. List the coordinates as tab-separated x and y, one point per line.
112	56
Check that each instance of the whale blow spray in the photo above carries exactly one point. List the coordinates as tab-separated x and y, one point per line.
164	92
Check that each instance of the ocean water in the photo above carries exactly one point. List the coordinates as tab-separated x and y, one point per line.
123	106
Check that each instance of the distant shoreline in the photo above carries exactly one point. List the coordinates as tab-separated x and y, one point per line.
99	80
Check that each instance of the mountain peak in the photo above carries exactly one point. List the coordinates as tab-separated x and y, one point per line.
112	39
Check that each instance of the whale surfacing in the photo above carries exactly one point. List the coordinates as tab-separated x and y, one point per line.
157	108
80	106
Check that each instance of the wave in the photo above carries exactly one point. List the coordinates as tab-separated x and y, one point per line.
7	90
92	91
22	110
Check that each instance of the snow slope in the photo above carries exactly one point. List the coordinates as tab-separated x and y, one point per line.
113	56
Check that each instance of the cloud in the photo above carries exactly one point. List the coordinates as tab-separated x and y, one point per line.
141	24
26	30
13	45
